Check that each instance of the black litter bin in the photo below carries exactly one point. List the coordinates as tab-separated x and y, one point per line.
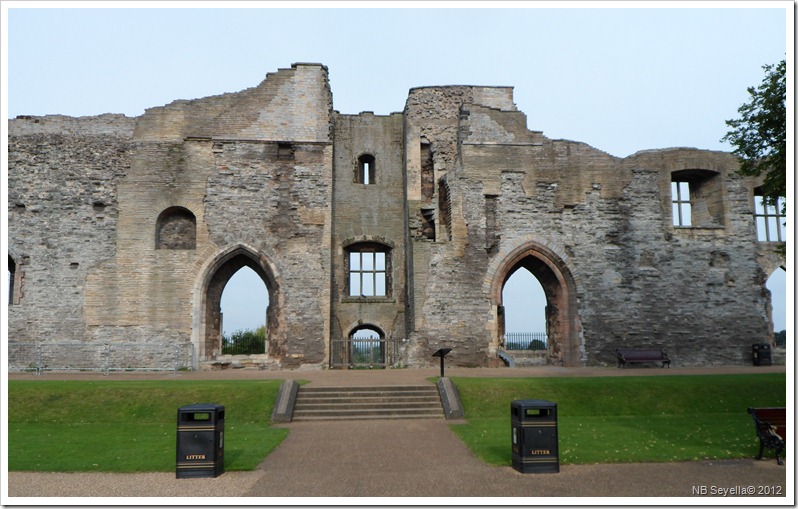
534	434
761	352
200	441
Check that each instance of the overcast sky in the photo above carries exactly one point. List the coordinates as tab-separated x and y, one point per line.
620	79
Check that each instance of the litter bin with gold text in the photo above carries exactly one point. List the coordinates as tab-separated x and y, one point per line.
534	435
200	441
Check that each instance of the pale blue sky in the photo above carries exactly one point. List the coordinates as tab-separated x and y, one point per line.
619	79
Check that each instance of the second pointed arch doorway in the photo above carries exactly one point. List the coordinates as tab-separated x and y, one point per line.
563	344
524	302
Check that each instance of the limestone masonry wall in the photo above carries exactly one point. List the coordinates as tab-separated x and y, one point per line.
124	231
63	211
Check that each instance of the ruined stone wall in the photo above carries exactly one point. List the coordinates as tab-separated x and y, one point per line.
125	230
639	281
370	215
254	172
280	208
63	212
442	272
697	290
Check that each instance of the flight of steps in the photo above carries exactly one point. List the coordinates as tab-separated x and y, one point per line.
390	402
522	358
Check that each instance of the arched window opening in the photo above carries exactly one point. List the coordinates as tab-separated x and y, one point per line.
777	285
524	302
176	228
367	347
365	172
244	306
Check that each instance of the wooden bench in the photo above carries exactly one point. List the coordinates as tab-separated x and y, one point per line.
771	428
630	355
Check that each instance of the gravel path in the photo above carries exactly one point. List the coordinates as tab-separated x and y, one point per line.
407	458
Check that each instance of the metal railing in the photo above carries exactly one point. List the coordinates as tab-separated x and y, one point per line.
525	341
358	353
244	345
104	357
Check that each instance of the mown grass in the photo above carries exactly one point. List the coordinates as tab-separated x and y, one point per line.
625	419
131	426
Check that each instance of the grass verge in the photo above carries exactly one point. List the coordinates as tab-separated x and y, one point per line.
131	426
625	419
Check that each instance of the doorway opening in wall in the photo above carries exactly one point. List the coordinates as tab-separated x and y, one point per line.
777	285
245	301
524	304
367	348
364	348
563	342
209	333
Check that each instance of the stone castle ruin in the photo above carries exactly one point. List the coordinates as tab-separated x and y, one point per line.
123	232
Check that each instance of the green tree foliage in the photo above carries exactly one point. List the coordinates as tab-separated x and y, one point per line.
780	338
537	344
760	134
245	342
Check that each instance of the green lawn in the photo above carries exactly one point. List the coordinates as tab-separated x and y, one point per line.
131	426
625	419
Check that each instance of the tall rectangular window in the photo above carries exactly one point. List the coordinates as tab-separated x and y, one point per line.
367	274
365	173
365	170
769	220
682	210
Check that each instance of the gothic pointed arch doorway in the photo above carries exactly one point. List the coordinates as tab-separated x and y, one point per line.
562	315
207	334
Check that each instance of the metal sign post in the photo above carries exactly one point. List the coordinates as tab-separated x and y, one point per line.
442	353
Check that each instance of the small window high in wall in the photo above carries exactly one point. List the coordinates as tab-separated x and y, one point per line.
697	199
176	228
770	221
365	173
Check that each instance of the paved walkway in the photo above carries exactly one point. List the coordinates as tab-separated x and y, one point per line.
411	458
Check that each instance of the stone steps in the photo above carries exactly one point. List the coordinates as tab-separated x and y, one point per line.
391	402
520	358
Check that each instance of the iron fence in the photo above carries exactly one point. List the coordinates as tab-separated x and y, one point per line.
248	344
104	357
525	341
359	353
